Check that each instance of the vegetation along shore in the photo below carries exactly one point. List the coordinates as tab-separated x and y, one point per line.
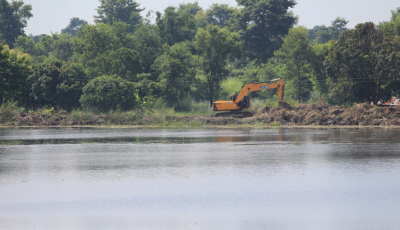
318	114
168	68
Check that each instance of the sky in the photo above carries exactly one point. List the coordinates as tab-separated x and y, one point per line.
50	16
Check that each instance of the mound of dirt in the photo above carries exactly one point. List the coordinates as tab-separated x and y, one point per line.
323	114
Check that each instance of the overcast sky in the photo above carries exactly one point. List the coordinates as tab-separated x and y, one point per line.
53	15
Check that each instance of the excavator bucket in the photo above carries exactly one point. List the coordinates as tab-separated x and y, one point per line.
284	105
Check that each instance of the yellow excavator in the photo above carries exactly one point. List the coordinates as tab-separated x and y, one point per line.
241	101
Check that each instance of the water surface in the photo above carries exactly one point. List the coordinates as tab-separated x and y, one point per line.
199	179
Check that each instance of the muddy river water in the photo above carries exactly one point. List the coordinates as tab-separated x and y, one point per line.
295	178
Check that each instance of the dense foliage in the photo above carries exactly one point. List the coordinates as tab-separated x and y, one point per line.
108	93
14	17
125	60
364	65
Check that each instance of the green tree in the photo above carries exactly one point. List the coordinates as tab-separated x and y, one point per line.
323	34
316	59
395	14
175	27
107	50
148	44
363	65
109	93
15	69
338	26
219	14
61	46
14	18
112	11
25	44
55	85
216	46
176	72
74	25
294	54
57	46
189	8
262	23
44	45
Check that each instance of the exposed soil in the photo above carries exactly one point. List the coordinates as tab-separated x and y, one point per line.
323	114
315	114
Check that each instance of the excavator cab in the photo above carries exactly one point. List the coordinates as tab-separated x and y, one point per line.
244	103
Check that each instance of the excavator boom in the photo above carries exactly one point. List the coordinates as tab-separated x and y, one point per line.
242	100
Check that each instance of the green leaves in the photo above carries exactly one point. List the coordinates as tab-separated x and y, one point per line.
109	93
14	18
56	85
262	23
15	69
176	73
107	50
175	26
113	11
75	24
366	61
294	54
215	47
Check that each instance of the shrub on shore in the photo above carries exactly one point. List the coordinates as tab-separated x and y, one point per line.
109	93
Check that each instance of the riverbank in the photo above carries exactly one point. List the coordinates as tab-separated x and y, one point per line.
319	114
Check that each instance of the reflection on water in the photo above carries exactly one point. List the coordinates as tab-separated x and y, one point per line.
199	179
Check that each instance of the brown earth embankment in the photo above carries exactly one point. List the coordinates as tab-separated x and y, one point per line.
315	114
323	114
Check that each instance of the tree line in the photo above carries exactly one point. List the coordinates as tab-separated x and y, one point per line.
186	53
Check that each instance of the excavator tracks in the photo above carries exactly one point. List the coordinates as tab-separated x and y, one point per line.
235	114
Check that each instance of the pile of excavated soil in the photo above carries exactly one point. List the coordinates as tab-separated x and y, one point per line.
323	114
315	114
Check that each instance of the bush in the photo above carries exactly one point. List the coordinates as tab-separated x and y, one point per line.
54	84
109	93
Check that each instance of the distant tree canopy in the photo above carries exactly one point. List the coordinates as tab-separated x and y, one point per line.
219	14
395	14
175	26
74	25
323	34
57	46
108	50
113	11
189	8
262	23
14	18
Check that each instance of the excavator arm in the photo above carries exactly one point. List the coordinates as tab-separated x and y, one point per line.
242	100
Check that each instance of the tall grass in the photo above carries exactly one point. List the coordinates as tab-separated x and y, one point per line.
201	108
8	110
161	109
314	97
186	107
257	104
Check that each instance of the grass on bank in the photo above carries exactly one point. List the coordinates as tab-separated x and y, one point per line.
8	110
159	115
